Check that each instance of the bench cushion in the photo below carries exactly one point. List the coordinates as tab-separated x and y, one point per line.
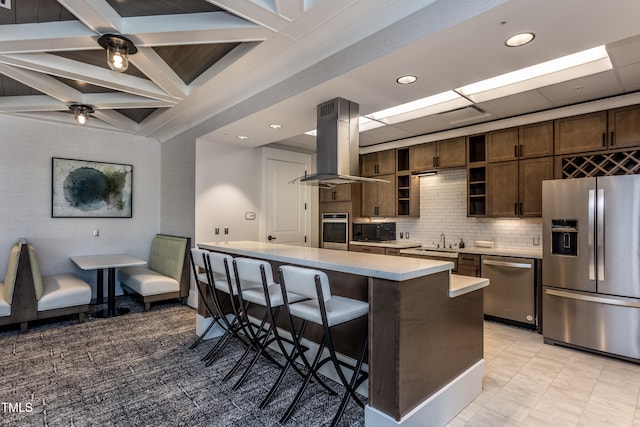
145	281
5	307
167	255
63	290
38	282
10	276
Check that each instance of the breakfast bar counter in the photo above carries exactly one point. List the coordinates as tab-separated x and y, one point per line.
425	327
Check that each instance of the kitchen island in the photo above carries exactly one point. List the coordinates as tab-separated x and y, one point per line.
425	328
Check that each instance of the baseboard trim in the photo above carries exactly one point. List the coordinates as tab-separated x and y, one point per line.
440	408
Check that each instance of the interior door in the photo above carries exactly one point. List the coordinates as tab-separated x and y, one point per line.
287	219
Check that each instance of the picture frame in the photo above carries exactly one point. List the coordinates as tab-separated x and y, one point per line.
90	189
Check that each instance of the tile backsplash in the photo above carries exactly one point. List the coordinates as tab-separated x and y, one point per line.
443	209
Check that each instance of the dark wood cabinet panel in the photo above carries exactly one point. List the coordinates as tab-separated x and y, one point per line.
423	156
502	145
536	140
502	195
339	193
378	163
448	153
379	198
624	127
586	132
531	174
452	153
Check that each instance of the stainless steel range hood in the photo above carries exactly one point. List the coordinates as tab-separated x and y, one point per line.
337	144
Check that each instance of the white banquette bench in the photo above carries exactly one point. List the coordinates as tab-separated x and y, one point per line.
26	295
167	274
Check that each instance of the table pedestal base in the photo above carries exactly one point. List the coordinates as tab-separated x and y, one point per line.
103	314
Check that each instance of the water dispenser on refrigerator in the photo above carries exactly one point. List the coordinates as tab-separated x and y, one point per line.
564	237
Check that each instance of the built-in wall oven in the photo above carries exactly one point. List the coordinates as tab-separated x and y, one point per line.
335	231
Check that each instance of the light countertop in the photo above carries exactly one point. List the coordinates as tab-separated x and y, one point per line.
409	247
461	285
364	264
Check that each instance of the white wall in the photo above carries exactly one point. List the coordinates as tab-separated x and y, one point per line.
26	149
443	209
228	183
178	164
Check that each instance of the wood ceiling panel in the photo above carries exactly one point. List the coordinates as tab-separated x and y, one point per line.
137	114
10	87
34	11
128	8
97	58
189	61
83	87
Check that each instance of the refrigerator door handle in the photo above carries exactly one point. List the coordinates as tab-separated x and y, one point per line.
593	298
600	234
590	237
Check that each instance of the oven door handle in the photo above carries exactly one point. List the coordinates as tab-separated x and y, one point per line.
507	264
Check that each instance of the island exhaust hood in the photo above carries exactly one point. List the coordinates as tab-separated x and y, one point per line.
337	146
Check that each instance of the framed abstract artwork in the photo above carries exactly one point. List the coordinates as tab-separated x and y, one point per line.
88	189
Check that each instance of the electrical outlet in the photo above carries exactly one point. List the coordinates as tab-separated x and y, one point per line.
406	234
536	241
216	231
96	232
226	230
401	235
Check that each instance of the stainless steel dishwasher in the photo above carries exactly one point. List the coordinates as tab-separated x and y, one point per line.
511	293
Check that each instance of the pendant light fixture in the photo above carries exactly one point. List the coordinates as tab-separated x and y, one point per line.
81	113
118	50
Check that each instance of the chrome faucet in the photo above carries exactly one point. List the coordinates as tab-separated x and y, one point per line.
444	240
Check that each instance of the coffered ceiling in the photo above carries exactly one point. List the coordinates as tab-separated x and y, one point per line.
221	69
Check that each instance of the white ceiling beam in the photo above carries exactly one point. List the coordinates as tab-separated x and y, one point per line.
95	14
46	37
289	9
42	83
9	104
253	12
63	67
116	120
193	28
154	67
122	100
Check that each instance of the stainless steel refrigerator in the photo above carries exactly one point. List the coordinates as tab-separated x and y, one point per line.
591	264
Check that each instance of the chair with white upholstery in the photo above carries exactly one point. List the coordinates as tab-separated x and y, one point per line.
206	297
254	280
328	310
222	283
58	294
166	275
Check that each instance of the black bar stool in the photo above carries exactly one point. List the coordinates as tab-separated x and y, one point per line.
254	280
202	283
327	310
221	278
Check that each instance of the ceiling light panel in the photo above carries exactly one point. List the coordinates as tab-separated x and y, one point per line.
434	104
587	62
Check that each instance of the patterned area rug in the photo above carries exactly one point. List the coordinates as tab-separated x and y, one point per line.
138	370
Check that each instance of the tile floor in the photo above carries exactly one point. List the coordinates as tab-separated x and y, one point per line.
530	384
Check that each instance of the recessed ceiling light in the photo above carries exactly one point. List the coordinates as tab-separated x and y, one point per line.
275	126
406	80
520	39
242	137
